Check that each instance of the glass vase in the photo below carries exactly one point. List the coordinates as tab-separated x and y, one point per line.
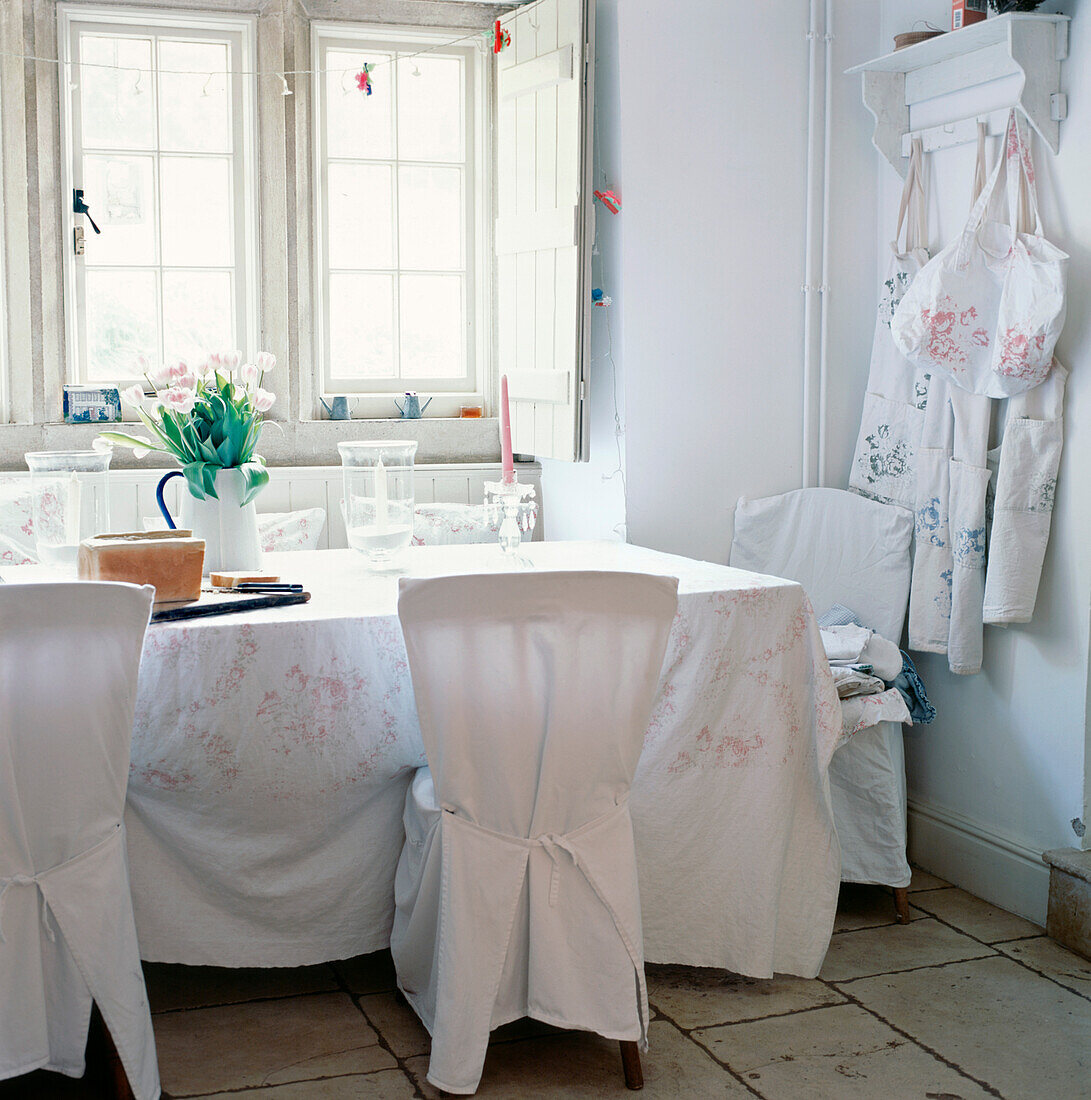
379	502
71	494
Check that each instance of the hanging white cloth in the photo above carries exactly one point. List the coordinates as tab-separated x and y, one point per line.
884	464
1026	484
69	655
516	892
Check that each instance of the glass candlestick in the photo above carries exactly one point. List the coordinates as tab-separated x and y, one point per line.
514	508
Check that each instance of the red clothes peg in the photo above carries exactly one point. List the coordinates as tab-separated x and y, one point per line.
501	38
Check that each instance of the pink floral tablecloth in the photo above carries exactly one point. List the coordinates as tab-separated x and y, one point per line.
272	752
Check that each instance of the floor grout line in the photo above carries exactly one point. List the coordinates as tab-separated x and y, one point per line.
383	1041
917	1042
688	1034
755	1019
1004	955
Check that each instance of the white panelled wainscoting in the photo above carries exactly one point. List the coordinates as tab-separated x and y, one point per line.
291	488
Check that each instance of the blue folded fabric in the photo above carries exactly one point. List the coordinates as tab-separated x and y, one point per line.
838	615
916	699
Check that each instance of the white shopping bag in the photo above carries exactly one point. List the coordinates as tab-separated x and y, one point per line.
986	312
884	465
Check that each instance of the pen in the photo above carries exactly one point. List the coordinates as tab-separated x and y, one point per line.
267	586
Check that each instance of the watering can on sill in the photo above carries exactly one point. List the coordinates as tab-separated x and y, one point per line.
412	409
339	408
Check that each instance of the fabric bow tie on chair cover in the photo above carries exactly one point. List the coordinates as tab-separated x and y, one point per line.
516	892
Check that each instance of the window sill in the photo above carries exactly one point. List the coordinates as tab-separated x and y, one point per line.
288	443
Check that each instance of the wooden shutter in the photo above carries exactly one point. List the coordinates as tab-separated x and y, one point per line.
544	223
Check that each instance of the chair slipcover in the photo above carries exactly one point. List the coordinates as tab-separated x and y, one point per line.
516	892
69	655
846	549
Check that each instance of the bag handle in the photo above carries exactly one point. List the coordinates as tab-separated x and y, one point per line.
1022	194
913	204
980	174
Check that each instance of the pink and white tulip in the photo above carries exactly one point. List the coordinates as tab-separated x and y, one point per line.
133	396
178	399
264	400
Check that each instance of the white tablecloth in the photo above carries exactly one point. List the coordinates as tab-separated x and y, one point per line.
272	751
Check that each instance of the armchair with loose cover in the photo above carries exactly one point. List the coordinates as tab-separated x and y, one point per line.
516	892
69	655
846	549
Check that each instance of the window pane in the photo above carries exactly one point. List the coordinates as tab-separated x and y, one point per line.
121	194
121	323
194	99
361	230
197	313
117	105
432	338
430	218
358	125
430	108
197	211
362	326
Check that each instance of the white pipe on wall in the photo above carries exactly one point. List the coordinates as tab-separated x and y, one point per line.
824	290
809	470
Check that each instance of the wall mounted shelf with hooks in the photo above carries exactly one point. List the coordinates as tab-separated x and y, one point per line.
1018	44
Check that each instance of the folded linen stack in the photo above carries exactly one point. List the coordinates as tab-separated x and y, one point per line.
875	680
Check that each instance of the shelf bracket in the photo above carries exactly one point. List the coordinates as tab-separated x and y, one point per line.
1028	46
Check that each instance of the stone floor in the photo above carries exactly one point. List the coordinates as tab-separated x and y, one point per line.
965	1002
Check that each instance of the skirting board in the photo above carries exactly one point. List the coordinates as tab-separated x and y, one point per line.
985	863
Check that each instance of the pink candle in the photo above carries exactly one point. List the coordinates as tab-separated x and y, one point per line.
507	463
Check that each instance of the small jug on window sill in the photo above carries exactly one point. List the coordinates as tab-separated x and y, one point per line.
412	409
339	408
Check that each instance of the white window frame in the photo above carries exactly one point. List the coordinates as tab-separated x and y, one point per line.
242	31
375	396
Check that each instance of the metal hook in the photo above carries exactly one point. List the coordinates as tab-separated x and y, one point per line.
284	81
204	90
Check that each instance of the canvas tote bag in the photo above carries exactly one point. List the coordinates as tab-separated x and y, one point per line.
884	465
986	312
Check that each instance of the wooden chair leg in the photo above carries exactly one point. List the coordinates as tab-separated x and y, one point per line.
104	1066
630	1063
901	903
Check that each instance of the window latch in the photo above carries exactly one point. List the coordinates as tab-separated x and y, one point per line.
80	207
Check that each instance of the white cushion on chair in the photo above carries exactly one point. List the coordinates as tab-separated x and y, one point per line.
298	530
453	524
17	545
69	655
516	891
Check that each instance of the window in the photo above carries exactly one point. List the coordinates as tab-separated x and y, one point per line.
402	194
158	134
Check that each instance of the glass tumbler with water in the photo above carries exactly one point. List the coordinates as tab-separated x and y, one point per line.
379	501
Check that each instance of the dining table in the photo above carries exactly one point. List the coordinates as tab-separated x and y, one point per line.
272	750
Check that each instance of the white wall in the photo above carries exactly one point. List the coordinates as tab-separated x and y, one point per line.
713	154
1002	773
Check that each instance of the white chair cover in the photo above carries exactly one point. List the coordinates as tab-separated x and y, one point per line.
846	549
69	655
516	891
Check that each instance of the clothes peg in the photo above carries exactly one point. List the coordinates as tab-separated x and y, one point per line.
501	38
609	200
363	81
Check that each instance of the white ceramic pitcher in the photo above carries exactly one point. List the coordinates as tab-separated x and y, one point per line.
229	527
